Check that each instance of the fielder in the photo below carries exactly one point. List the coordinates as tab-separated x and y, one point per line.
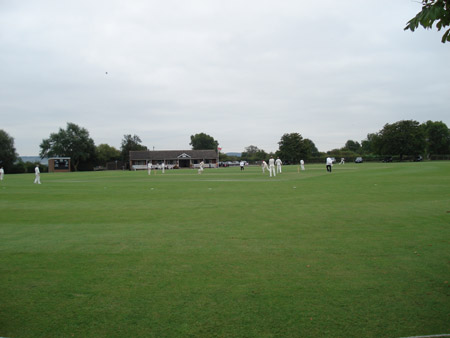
2	173
37	173
264	166
200	170
149	168
302	164
278	162
272	167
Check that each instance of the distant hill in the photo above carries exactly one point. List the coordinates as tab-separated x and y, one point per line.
234	154
34	159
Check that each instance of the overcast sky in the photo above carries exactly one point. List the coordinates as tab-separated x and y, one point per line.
245	72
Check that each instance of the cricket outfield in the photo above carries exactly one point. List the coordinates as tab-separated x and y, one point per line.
359	252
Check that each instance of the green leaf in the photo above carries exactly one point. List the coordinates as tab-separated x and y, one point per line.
412	24
446	36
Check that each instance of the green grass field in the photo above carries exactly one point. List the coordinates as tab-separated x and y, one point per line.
361	252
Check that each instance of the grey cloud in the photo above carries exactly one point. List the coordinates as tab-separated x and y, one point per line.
243	72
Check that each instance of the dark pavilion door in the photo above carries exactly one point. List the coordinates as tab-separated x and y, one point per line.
183	163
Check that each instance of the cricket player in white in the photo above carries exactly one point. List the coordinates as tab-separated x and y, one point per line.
278	162
2	173
302	164
272	167
37	173
149	168
264	166
200	170
163	166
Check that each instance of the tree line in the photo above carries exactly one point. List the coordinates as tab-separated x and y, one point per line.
401	139
75	142
406	138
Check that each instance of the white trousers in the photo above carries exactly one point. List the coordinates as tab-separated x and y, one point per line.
37	179
272	170
278	168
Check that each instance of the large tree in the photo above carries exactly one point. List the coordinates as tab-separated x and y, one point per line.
203	141
352	146
251	149
438	138
8	153
400	138
432	11
292	148
106	153
253	154
130	143
73	142
312	149
368	145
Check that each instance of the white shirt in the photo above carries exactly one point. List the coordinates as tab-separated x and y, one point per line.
149	165
242	163
36	170
272	162
264	164
278	161
302	162
329	161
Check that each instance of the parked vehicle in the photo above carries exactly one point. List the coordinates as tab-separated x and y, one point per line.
387	159
418	158
359	160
